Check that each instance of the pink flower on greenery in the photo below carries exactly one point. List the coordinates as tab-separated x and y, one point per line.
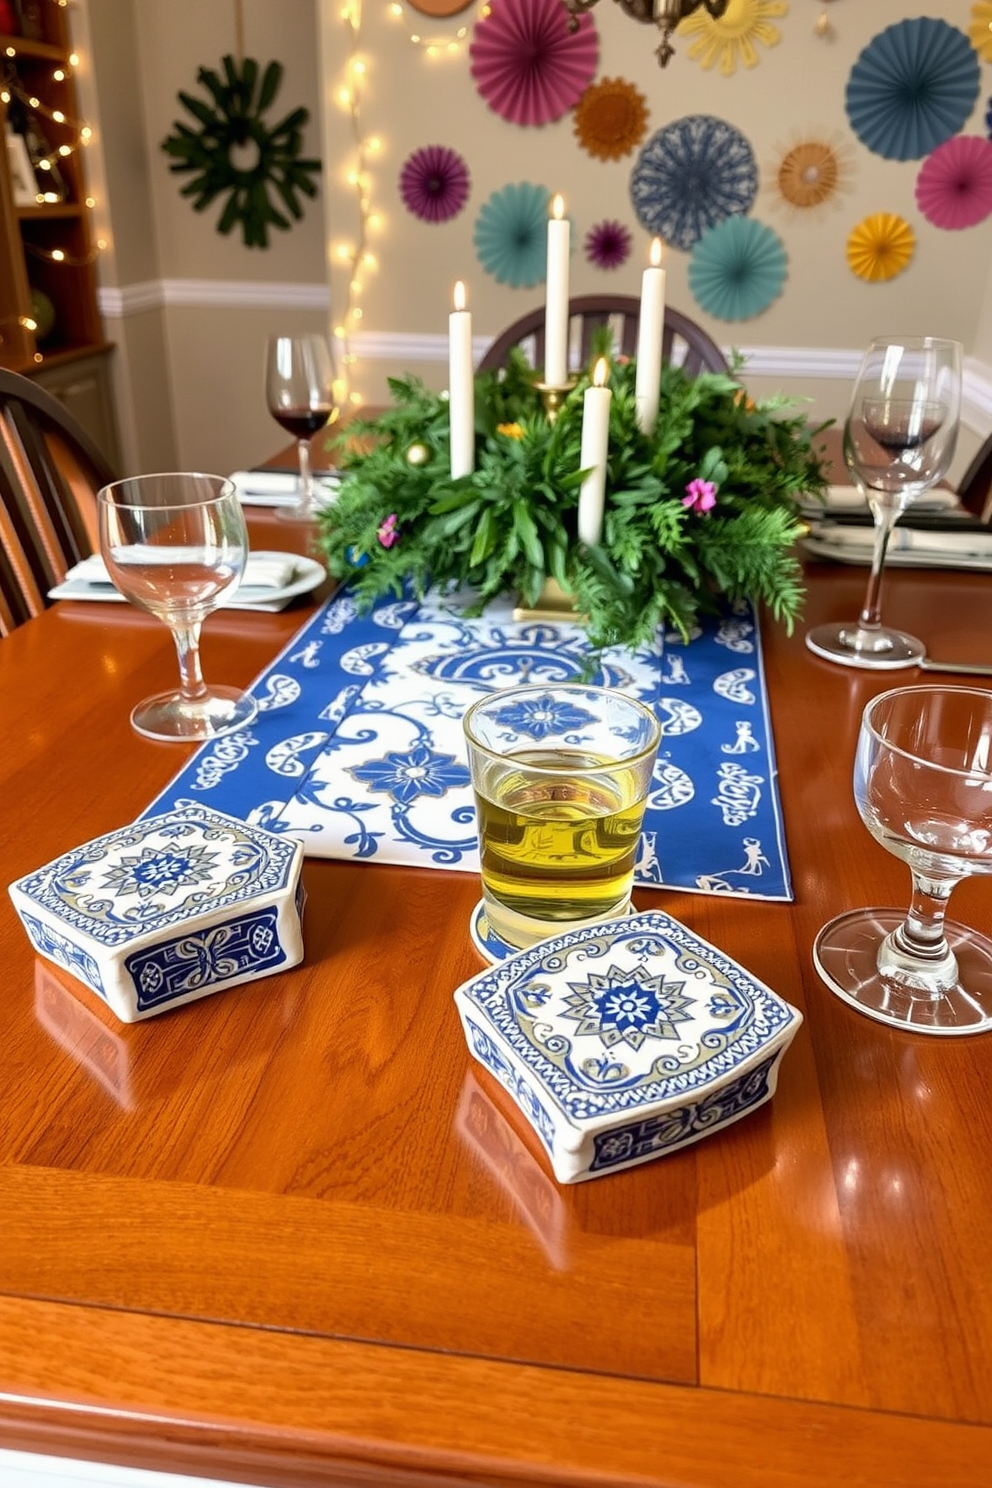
386	532
700	495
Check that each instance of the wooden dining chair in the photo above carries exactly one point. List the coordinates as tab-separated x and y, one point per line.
50	472
975	487
683	341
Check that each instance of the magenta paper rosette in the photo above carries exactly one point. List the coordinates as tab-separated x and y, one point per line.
954	186
527	65
434	183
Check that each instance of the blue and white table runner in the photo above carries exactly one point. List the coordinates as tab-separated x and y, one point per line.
358	745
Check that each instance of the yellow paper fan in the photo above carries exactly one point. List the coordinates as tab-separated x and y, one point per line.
611	118
980	30
880	247
734	34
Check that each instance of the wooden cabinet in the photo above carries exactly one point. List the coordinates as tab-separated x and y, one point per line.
48	301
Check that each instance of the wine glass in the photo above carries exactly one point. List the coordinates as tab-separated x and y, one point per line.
899	440
176	545
923	786
299	389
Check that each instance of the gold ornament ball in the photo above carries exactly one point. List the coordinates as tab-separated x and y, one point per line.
418	454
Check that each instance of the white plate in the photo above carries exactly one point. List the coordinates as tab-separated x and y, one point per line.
309	573
914	557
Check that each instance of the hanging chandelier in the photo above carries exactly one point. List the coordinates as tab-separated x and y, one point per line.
665	14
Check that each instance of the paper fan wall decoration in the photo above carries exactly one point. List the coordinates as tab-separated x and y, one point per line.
880	247
980	30
809	173
434	183
527	65
732	36
511	233
954	186
608	244
912	87
737	269
611	118
689	176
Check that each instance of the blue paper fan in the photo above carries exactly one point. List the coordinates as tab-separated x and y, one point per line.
691	175
511	235
737	268
912	88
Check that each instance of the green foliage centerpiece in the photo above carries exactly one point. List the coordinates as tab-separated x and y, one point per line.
703	507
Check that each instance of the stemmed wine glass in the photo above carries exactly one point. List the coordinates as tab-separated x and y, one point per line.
299	389
176	545
899	440
923	786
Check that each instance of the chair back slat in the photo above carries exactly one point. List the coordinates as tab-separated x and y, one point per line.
683	341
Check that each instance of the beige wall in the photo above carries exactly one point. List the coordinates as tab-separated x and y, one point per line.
190	344
193	357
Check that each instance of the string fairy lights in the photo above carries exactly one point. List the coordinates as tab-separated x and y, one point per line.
437	47
356	259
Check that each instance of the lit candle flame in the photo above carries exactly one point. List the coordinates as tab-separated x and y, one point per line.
600	372
657	253
459	295
558	208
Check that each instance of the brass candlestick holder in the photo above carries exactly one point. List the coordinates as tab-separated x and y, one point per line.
553	396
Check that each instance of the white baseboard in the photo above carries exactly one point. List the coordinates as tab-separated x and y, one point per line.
402	348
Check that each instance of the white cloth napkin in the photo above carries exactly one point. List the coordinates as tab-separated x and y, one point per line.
280	487
263	571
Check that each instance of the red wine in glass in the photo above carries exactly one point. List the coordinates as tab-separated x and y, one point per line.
299	390
303	423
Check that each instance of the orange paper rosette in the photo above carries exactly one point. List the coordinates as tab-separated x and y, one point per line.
880	247
611	118
980	30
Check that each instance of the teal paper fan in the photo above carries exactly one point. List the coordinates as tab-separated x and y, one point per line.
912	88
737	268
511	235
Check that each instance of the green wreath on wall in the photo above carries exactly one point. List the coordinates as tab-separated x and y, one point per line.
235	152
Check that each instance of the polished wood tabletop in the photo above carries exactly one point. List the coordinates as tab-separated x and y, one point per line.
292	1234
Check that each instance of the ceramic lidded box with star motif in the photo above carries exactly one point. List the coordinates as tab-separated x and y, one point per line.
626	1041
168	910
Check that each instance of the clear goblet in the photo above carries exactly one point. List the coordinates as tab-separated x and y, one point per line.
899	440
923	786
299	390
176	545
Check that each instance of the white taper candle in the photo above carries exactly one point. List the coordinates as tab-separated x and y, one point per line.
461	387
593	453
556	300
650	330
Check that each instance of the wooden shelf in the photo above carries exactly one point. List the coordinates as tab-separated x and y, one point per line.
51	210
30	234
40	51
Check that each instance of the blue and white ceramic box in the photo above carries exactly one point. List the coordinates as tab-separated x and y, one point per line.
168	910
626	1041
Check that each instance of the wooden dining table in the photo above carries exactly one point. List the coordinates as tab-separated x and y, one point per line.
292	1234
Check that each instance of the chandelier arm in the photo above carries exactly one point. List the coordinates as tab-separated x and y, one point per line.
665	14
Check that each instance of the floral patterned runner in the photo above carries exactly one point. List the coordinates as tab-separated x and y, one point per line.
358	749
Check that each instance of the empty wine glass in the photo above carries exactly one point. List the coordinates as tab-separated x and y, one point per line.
299	390
899	440
923	786
176	545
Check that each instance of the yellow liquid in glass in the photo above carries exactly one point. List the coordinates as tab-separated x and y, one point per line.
558	844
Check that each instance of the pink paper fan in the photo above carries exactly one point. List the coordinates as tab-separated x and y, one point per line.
954	186
527	65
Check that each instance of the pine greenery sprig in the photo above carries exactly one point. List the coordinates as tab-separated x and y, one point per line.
400	520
